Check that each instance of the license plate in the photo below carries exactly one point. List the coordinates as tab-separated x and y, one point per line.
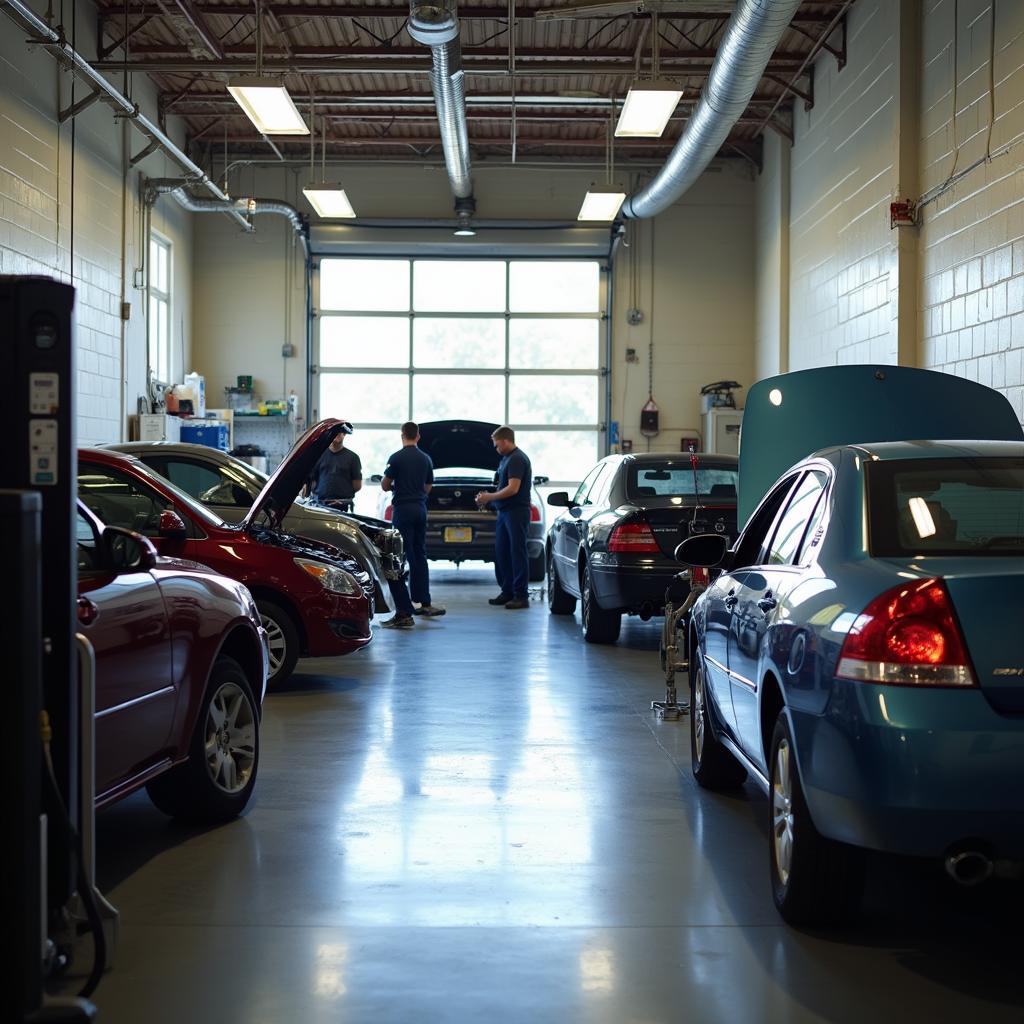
458	535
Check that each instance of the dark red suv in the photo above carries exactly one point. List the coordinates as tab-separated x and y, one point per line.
181	668
312	600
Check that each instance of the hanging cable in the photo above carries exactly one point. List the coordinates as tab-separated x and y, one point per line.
991	79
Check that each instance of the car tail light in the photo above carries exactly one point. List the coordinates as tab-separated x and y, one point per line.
633	537
389	512
534	513
700	575
907	636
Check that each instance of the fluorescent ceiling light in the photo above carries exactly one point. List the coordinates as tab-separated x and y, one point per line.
647	109
601	204
328	200
268	105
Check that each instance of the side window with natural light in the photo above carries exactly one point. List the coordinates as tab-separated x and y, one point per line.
159	326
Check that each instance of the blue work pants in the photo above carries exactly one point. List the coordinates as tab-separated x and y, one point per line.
410	520
511	564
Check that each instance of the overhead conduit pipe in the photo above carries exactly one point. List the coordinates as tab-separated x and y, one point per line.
67	55
436	24
177	188
750	38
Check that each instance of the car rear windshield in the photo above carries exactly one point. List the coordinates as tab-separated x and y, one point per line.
676	478
946	507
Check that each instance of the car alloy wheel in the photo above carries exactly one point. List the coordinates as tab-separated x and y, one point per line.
782	812
230	742
699	712
277	645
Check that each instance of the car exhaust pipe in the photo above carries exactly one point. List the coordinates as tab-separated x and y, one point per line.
969	867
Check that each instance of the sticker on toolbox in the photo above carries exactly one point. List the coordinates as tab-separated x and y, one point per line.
43	452
43	394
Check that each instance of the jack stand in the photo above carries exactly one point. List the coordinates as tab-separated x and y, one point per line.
673	657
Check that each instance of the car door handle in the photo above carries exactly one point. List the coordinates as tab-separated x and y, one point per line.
767	603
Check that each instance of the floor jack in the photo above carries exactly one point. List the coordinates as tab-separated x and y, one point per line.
674	656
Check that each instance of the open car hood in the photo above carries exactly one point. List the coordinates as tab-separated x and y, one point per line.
466	443
281	490
788	417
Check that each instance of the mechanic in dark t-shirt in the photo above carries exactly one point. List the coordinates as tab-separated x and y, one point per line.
409	476
337	476
512	500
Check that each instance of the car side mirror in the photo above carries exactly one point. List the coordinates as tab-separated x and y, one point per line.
541	480
240	496
376	478
127	551
705	549
171	525
560	499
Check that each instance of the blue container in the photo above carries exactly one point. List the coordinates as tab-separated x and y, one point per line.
214	434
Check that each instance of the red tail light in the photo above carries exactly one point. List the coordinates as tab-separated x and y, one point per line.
534	513
633	537
907	636
700	576
389	512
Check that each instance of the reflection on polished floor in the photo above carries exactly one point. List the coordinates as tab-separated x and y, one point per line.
480	820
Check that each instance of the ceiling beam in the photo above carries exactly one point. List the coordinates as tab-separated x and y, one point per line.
823	13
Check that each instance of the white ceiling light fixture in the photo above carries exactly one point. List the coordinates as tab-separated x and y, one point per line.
328	198
649	104
265	100
603	203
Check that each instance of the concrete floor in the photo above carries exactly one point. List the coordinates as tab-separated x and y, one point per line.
481	821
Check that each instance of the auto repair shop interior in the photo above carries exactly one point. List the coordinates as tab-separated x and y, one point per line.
740	736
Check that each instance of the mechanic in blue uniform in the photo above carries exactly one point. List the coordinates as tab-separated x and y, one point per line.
512	500
338	475
409	476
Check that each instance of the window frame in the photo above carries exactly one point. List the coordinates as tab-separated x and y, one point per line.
406	375
162	368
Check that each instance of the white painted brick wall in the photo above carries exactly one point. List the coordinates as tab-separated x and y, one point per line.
842	252
972	236
36	214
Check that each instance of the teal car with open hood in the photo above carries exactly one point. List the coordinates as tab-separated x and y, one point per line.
861	653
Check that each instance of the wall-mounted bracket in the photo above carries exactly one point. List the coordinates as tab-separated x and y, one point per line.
76	108
142	154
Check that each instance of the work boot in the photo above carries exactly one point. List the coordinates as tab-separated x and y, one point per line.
430	610
399	622
500	599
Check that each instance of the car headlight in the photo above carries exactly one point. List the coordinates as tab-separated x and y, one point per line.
330	577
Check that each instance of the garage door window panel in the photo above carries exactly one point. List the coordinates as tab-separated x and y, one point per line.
459	286
458	343
364	342
365	397
544	287
365	285
554	344
543	399
456	396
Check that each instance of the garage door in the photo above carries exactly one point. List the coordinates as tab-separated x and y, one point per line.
508	341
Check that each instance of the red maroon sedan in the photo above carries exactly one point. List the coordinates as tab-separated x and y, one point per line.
181	668
312	600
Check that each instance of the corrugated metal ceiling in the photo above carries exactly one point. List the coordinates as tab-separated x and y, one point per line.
370	79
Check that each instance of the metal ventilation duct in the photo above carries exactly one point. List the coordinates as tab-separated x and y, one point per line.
436	24
177	188
753	32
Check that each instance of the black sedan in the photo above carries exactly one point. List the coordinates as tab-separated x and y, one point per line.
613	546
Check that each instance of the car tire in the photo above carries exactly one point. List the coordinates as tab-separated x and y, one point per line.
712	765
560	601
282	639
815	880
599	625
217	780
536	569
